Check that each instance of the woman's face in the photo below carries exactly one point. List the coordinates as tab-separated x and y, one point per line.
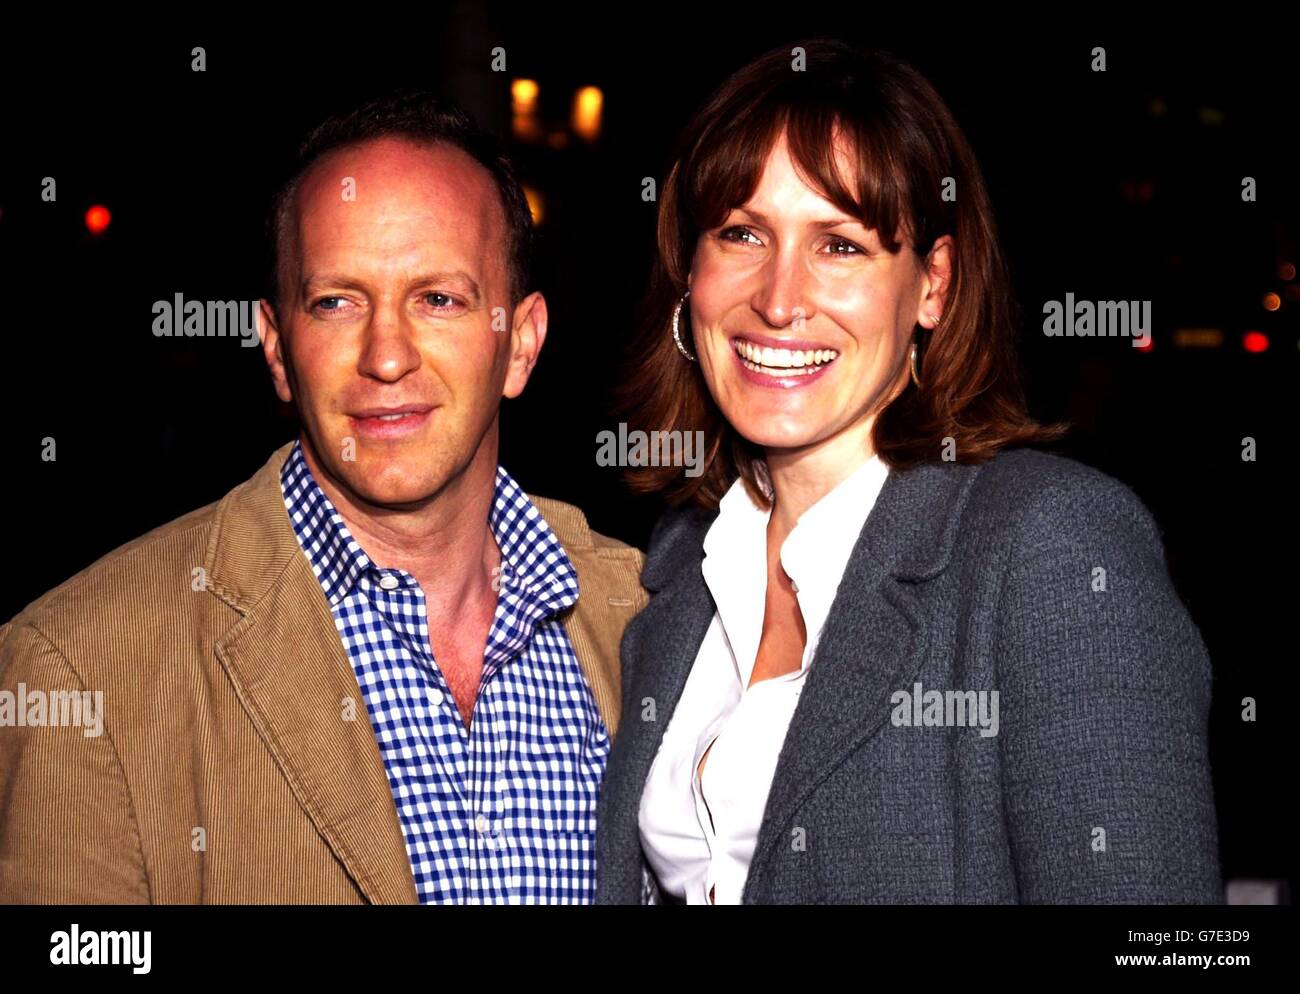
801	320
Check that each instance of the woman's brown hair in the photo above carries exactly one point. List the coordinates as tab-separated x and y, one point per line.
916	173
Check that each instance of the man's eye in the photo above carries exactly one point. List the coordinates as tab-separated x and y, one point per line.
440	301
737	233
328	304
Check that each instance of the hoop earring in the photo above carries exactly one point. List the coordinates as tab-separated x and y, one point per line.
916	377
677	331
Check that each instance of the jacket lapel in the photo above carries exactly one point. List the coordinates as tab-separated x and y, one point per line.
666	636
295	681
874	639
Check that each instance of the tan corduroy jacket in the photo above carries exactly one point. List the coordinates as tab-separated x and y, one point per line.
224	770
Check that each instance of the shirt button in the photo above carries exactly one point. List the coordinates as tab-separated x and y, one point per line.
388	582
436	697
481	824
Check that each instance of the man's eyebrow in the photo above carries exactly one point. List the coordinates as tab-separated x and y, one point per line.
442	277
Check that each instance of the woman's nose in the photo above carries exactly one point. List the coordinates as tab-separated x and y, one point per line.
781	296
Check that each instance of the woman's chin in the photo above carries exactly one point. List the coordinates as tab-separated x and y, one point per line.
767	436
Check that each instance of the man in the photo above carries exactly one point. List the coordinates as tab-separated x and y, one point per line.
376	671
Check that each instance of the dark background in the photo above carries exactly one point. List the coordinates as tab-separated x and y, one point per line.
1117	185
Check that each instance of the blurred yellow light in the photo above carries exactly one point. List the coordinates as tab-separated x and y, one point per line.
534	204
1272	301
588	104
1198	338
526	127
523	96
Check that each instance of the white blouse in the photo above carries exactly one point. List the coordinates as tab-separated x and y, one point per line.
699	836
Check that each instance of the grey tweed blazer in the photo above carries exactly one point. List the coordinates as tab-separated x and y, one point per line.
1030	575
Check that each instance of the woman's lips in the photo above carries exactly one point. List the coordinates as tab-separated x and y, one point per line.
788	366
391	426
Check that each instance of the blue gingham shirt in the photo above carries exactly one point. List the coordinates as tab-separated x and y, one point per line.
504	811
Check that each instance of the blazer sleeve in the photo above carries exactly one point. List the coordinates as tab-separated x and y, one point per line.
67	829
1105	692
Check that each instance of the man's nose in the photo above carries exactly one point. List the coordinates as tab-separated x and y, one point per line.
388	352
781	297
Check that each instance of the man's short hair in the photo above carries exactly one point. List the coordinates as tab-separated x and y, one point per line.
424	119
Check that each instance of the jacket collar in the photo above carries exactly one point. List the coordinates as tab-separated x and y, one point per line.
293	676
910	531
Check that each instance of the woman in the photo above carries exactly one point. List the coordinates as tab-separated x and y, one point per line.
892	654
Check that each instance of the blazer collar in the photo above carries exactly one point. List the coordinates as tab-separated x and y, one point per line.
293	676
872	644
910	531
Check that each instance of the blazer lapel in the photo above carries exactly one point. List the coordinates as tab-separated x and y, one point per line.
666	636
679	617
874	639
295	681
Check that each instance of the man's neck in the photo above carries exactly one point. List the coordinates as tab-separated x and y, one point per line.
446	542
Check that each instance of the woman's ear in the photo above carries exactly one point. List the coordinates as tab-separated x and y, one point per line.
935	283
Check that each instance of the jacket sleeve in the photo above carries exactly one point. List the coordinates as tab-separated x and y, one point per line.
1105	692
68	833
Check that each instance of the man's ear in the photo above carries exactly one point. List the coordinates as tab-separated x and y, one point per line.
268	330
527	334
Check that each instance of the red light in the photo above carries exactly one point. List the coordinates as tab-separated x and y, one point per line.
1146	346
97	219
1254	341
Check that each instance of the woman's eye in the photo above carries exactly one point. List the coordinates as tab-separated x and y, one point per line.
842	246
737	233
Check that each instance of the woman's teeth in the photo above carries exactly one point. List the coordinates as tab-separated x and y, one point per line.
782	362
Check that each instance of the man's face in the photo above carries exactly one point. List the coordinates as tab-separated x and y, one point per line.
398	301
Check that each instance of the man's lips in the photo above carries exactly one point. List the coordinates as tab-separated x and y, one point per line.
375	412
391	422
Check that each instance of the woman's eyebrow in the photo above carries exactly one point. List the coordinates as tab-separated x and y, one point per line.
826	223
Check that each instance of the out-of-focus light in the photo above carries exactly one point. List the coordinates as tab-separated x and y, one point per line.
534	204
1146	346
1271	301
97	219
1157	107
1212	116
523	96
523	102
1198	338
588	104
1286	271
1292	292
558	139
1254	341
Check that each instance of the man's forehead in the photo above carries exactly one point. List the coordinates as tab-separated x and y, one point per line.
398	198
390	176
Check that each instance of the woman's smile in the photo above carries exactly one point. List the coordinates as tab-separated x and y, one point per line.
781	363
